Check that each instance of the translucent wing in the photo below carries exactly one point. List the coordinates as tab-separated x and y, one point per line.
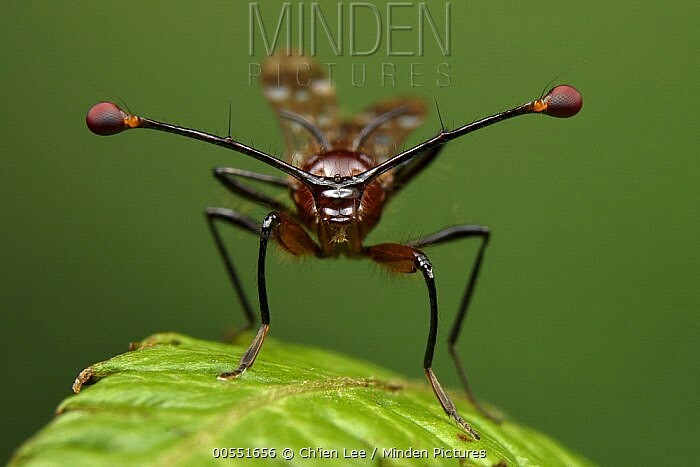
304	100
298	86
381	130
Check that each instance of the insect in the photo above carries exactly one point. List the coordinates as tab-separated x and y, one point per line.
340	174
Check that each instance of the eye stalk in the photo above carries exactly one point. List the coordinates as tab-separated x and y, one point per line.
106	119
563	101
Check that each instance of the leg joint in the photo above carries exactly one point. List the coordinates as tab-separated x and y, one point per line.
486	232
270	221
220	172
424	265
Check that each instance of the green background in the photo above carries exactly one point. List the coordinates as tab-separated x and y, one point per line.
585	317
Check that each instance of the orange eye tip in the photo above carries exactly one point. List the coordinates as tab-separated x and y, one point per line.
563	102
106	119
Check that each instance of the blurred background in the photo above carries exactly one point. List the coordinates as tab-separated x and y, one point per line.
585	317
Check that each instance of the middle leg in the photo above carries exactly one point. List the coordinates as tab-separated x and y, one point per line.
227	176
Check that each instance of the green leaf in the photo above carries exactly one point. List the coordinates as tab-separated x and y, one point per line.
162	404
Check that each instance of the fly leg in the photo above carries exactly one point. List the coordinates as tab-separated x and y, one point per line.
228	177
244	222
293	238
406	173
405	259
444	236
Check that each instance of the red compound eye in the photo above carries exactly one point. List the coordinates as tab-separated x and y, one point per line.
563	102
106	119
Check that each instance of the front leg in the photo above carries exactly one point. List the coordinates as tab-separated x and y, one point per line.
293	238
447	235
405	259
